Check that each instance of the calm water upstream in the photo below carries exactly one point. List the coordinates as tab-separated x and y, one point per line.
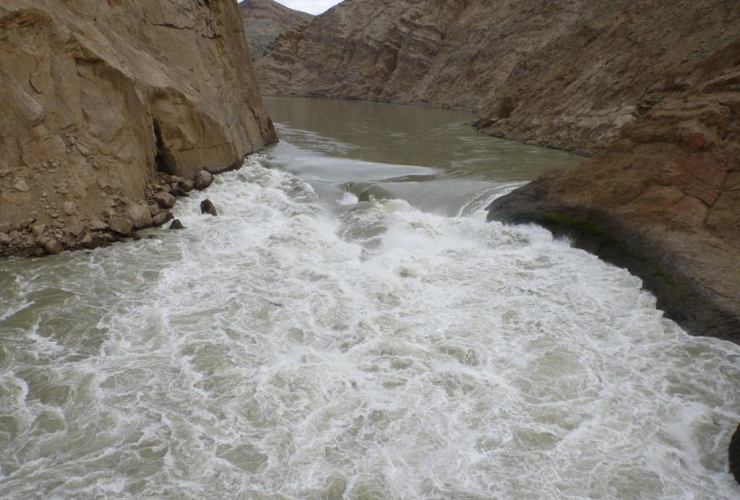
350	327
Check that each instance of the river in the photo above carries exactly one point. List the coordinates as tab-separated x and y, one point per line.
351	327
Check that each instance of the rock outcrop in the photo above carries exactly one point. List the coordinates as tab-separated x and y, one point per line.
265	20
564	74
101	97
663	200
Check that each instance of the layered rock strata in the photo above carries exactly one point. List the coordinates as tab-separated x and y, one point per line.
565	74
100	98
265	20
663	200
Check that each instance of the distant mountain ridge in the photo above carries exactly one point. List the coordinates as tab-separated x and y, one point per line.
265	20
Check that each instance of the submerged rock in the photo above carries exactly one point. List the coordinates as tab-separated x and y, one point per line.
207	207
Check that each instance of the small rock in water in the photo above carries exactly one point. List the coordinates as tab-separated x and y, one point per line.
202	180
176	224
735	455
207	207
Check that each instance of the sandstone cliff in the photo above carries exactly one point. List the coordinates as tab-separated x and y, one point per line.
565	74
663	200
100	96
265	20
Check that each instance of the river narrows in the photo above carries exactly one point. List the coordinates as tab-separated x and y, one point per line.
351	327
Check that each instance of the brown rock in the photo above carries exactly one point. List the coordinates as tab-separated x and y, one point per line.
186	186
99	99
176	224
207	207
162	218
121	225
154	209
202	180
53	247
38	229
5	239
139	215
164	200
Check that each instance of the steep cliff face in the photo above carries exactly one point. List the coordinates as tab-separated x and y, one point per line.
663	200
265	20
567	74
99	96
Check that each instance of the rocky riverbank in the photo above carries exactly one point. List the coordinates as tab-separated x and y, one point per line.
107	104
663	201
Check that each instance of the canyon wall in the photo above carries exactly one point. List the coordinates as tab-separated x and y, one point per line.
265	20
663	200
567	74
101	96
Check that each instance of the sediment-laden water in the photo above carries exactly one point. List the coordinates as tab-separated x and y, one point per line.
350	327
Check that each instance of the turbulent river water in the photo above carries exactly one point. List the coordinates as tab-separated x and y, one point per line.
351	327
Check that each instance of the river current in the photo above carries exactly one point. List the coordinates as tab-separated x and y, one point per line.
351	327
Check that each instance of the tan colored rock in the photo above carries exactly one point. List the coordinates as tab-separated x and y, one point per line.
164	200
562	74
98	96
53	247
203	180
265	20
121	225
139	215
5	239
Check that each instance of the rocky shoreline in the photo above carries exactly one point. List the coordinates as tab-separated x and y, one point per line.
30	238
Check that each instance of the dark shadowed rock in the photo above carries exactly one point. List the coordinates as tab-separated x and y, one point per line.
202	180
176	224
207	207
735	455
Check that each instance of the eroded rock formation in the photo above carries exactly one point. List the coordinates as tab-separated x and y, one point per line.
567	74
100	96
265	20
663	200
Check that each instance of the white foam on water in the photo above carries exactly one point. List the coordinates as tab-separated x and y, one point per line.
284	350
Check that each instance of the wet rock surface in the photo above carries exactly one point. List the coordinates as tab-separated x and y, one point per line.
207	207
100	108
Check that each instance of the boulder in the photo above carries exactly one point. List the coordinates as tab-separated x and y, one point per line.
735	455
5	239
164	200
140	215
162	218
176	224
186	186
121	225
207	207
53	247
202	180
